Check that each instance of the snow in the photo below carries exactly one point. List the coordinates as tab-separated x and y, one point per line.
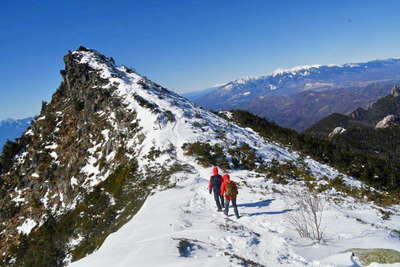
387	121
336	131
262	235
27	226
294	70
29	132
74	181
272	87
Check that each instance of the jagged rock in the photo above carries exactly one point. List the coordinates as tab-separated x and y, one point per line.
396	91
388	121
377	255
358	114
78	141
336	131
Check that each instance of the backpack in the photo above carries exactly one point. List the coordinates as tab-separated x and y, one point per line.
231	190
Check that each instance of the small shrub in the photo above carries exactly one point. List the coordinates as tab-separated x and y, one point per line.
307	217
207	155
169	116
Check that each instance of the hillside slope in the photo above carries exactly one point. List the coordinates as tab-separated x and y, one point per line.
112	143
375	130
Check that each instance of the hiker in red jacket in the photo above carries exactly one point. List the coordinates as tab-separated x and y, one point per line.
230	191
215	186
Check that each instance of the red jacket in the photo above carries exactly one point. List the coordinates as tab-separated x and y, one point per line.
224	188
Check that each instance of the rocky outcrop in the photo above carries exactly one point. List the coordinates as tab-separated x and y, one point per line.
388	121
336	131
376	255
74	170
396	91
358	114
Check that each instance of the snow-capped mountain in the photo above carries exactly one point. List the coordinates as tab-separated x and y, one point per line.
314	77
11	129
116	167
274	96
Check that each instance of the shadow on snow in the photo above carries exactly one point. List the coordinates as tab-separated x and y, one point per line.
269	212
259	204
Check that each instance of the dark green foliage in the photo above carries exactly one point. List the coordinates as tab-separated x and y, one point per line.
10	150
170	117
361	135
282	173
207	155
79	105
103	211
47	250
329	123
144	103
244	157
374	171
197	124
154	153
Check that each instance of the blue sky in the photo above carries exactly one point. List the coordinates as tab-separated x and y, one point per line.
185	45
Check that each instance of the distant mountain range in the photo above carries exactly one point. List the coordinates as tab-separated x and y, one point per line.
298	97
11	129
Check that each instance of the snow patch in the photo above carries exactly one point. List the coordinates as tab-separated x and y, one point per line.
336	131
27	226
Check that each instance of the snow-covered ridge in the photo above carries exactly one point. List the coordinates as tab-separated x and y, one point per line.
294	70
161	133
302	71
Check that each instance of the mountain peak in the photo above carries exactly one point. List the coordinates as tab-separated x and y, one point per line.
86	55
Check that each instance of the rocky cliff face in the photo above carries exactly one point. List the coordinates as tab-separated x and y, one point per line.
388	121
81	149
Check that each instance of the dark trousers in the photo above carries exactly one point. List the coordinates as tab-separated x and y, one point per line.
227	201
219	200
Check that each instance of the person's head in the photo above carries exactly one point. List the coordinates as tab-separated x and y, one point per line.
215	171
226	177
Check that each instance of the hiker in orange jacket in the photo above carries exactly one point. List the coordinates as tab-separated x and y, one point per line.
214	185
230	191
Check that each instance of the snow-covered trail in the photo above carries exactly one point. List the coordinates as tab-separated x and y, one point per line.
188	212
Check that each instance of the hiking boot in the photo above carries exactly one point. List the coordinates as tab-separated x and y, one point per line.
219	210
